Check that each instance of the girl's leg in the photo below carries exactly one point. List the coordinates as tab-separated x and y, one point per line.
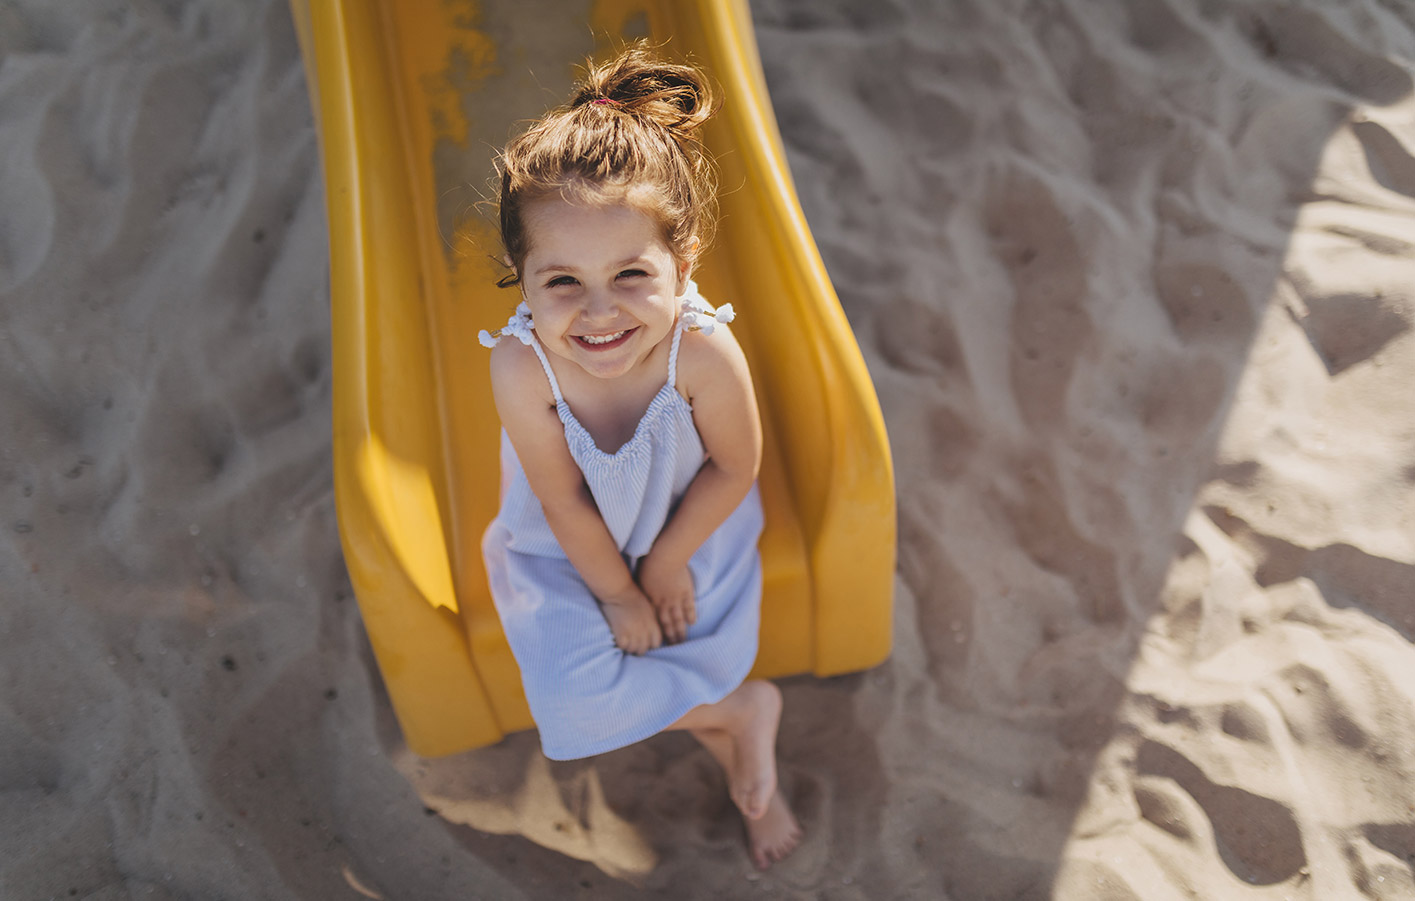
749	716
740	733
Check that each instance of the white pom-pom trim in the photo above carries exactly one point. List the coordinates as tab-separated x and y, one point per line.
520	325
698	316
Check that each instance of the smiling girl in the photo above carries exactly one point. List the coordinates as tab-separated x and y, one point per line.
623	561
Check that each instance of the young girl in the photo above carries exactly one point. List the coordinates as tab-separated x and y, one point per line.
623	561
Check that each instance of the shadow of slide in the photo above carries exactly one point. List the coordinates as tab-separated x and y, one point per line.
1059	232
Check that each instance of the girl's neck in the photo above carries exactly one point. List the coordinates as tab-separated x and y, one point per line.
610	409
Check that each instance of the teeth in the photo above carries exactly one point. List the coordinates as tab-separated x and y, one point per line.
603	339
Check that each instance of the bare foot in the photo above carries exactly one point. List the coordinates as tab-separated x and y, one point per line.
740	733
774	834
752	776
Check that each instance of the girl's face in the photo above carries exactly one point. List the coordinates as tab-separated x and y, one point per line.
601	284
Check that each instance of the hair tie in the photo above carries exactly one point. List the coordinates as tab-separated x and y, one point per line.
606	100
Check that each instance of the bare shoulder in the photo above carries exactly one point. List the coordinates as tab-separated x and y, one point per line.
710	360
516	374
713	375
520	386
526	407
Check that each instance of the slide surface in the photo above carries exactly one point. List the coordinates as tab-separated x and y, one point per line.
412	98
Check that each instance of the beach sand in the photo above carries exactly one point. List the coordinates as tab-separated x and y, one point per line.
1133	281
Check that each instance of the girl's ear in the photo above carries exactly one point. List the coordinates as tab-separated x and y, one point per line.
685	266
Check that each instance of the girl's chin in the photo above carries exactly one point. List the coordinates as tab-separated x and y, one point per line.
604	368
599	363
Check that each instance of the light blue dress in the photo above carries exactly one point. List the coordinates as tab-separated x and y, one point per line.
586	695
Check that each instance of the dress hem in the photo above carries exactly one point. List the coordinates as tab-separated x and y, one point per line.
626	739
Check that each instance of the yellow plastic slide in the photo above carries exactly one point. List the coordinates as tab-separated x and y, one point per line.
412	99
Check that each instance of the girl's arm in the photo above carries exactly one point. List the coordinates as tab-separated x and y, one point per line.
713	371
527	411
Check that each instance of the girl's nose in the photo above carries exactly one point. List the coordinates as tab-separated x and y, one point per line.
600	306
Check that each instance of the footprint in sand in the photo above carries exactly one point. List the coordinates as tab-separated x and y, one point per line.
1306	45
1205	305
1051	327
944	613
1041	521
1396	839
1391	163
1257	837
1346	576
919	337
1243	722
1349	329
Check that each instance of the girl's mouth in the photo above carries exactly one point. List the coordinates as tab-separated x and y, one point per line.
604	342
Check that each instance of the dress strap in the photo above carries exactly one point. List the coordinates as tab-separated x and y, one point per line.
673	353
522	327
549	373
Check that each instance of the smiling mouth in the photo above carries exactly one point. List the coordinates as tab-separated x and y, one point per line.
601	342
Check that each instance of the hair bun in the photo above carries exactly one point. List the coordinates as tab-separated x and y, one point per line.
629	134
674	96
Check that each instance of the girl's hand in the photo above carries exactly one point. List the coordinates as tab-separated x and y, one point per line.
670	590
631	618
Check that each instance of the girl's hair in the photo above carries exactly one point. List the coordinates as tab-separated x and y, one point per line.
628	135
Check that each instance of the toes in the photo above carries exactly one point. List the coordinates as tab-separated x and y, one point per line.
766	855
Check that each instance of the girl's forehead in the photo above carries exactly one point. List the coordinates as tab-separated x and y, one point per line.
553	221
555	214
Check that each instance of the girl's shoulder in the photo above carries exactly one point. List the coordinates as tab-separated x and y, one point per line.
706	358
517	374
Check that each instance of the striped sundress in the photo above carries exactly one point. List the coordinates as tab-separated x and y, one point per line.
587	696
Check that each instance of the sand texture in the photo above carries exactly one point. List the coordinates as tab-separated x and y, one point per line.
1134	280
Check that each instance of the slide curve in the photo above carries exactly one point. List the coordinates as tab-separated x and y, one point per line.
412	98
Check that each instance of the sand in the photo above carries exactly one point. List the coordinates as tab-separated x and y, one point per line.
1133	280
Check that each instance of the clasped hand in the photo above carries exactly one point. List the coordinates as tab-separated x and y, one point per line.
669	588
632	620
661	606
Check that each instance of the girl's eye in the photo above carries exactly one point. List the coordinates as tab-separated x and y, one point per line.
559	281
633	273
